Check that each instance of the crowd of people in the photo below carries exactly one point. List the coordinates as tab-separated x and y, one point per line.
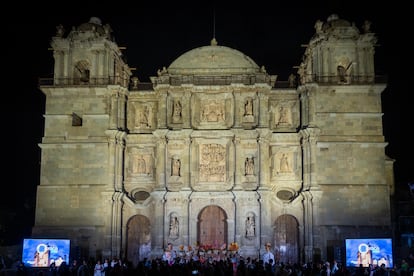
232	265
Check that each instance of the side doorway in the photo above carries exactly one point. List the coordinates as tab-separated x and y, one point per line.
286	239
138	239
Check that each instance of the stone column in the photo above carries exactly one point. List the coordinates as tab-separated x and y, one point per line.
113	114
95	66
101	63
311	104
304	112
158	228
111	134
264	177
58	56
355	75
119	160
239	168
370	63
161	115
67	66
160	162
121	122
186	160
116	233
325	65
264	110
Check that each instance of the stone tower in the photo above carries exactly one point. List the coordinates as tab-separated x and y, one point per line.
215	151
344	163
83	143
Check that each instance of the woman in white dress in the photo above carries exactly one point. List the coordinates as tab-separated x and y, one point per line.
98	270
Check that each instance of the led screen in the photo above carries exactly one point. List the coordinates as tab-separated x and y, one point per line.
44	252
369	251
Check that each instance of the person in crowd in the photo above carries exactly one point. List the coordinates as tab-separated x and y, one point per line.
98	269
268	255
83	269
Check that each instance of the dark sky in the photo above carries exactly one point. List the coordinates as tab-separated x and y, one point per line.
270	33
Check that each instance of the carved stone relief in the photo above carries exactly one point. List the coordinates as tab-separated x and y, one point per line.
213	111
141	164
283	116
143	117
212	163
282	163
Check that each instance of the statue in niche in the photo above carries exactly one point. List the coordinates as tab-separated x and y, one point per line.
248	107
177	108
284	164
341	73
249	166
143	117
82	68
141	166
250	226
344	72
174	227
175	167
283	116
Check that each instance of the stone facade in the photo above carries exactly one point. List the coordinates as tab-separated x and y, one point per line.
215	150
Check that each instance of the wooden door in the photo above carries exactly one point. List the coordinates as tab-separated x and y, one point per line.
286	235
138	239
212	226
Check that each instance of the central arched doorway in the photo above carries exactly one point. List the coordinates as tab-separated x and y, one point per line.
212	226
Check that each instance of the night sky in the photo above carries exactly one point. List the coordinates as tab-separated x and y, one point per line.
269	32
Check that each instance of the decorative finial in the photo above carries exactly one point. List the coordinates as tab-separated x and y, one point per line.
366	27
213	42
60	30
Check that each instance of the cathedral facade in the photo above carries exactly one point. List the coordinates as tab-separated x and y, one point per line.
214	151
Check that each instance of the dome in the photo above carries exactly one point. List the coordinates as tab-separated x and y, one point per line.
94	24
213	60
335	22
336	27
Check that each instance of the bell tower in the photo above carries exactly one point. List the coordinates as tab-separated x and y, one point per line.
342	135
84	138
88	55
339	53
